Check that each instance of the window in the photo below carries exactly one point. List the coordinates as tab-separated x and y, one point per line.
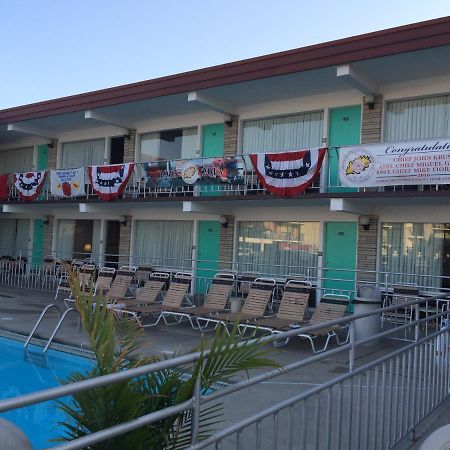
278	248
417	253
169	145
283	133
421	118
82	153
16	160
165	244
74	238
14	237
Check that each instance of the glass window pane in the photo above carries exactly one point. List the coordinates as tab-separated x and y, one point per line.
422	118
414	253
284	133
169	145
83	153
278	248
16	160
163	243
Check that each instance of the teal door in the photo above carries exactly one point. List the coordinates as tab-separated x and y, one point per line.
340	253
212	147
38	232
38	242
345	129
207	253
212	140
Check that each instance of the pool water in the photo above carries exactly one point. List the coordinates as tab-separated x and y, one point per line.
24	372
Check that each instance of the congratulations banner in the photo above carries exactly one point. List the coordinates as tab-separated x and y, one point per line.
195	171
395	163
67	183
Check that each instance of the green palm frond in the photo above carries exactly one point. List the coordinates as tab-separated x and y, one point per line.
115	342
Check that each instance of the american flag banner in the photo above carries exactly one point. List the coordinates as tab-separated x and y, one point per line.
109	182
290	173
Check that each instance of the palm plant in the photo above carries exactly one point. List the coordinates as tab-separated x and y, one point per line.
115	343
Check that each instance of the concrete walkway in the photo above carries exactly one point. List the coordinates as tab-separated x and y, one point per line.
19	309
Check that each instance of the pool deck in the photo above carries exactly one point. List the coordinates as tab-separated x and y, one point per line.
20	308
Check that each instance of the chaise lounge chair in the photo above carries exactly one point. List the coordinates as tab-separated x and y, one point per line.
290	313
215	301
173	301
261	291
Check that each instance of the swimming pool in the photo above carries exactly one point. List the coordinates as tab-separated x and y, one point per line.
23	372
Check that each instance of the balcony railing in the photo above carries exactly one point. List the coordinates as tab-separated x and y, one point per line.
246	184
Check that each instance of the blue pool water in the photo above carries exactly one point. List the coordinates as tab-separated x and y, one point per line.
21	373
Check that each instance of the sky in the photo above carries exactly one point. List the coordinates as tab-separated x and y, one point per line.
54	48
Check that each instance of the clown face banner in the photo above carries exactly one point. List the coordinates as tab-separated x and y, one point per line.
67	183
29	184
288	174
108	182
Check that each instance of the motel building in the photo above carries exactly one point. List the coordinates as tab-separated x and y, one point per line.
329	162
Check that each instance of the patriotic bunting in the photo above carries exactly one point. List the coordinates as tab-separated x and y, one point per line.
67	183
4	187
29	184
288	174
108	182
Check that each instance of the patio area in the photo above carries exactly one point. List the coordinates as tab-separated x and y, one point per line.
19	309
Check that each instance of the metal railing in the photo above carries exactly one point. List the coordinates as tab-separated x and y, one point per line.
246	183
372	406
22	272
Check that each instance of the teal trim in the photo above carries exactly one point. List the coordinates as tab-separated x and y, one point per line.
38	242
207	253
340	253
344	129
212	147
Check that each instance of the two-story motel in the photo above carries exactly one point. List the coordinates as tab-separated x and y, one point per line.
384	87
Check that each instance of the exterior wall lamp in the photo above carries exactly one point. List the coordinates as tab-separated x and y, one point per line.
123	221
369	100
45	220
223	221
365	222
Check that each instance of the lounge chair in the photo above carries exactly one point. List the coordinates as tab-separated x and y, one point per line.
86	276
290	313
400	296
121	283
142	275
331	307
104	280
148	294
173	300
261	291
216	300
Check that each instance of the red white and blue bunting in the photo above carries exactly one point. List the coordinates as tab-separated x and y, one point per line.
290	173
4	191
109	182
29	184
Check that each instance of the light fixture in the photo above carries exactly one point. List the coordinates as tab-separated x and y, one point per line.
123	220
223	221
369	100
45	220
87	248
365	222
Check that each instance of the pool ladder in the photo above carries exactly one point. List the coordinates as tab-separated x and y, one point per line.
56	329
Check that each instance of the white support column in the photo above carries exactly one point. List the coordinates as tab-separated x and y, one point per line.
102	243
107	154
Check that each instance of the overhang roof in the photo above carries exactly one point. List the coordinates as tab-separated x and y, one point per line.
408	38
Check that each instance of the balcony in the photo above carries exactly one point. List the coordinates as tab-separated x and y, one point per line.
215	181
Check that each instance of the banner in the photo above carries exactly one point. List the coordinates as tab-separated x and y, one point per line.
4	187
290	173
195	171
395	163
108	182
67	183
29	184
